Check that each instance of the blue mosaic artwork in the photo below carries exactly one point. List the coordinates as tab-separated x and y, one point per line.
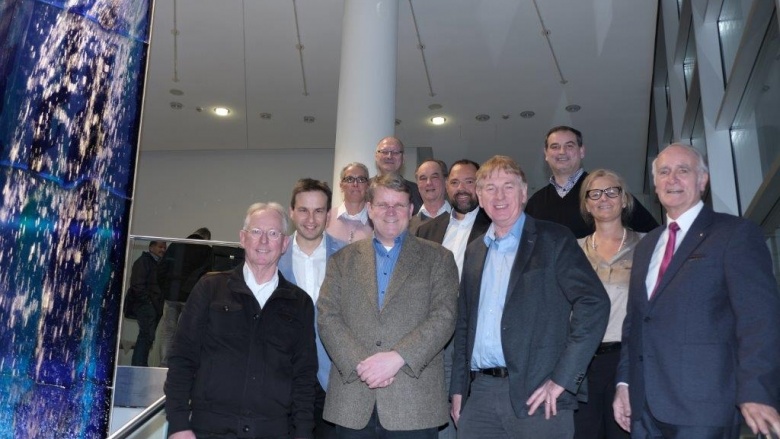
71	82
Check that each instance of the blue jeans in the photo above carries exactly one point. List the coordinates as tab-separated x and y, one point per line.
147	325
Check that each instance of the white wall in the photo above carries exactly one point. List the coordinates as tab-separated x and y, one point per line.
177	192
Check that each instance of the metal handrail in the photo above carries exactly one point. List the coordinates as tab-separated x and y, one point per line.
142	418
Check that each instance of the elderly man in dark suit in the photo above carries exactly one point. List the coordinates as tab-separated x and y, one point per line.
531	313
386	309
701	338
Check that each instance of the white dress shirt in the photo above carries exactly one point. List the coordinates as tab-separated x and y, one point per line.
456	238
684	221
309	270
262	292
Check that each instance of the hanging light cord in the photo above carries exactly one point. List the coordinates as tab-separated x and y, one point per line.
546	35
421	46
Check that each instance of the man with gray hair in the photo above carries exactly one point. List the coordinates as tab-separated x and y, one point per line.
430	175
244	361
701	340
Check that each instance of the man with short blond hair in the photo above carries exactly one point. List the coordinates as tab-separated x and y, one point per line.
386	310
531	313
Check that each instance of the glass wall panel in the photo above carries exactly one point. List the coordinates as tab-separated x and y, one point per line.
756	127
689	62
731	24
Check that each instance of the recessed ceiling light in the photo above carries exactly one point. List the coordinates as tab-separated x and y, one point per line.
266	116
527	114
434	107
573	108
221	111
482	117
438	120
308	119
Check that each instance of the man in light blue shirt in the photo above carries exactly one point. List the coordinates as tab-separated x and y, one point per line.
531	313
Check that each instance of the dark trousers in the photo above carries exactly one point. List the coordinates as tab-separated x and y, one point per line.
374	430
646	426
147	326
488	414
595	418
322	428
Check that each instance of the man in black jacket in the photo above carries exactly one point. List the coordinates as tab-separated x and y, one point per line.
243	362
559	201
144	300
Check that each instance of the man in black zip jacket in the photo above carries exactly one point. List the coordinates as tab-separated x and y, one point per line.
244	362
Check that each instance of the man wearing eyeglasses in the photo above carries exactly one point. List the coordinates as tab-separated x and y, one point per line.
304	265
244	361
559	201
389	160
430	175
386	310
349	222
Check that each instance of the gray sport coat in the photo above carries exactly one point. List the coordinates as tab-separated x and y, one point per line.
416	321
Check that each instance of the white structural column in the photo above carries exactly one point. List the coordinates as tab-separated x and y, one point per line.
366	106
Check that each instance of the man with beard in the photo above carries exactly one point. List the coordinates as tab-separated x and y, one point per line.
455	231
466	221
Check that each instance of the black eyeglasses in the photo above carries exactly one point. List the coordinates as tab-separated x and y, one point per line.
350	179
612	192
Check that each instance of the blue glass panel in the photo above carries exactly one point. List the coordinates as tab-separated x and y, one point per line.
71	81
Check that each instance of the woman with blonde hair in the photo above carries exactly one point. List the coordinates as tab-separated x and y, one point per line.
606	203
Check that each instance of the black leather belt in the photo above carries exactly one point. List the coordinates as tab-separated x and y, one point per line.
497	372
605	348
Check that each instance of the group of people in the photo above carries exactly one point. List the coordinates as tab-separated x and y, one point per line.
459	305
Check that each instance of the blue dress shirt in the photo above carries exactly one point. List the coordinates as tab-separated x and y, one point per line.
385	264
492	297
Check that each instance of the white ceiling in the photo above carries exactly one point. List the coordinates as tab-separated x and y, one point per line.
484	57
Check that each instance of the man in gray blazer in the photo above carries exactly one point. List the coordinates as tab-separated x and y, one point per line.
531	313
386	309
304	265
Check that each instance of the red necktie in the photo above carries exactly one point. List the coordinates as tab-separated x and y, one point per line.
668	253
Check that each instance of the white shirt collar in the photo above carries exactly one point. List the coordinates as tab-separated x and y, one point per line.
296	247
445	208
262	292
361	216
686	219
